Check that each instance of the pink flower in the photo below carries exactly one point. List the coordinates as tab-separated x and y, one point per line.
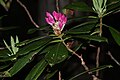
56	20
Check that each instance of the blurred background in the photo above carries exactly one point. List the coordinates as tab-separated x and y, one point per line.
17	20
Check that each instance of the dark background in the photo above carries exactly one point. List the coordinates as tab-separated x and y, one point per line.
17	17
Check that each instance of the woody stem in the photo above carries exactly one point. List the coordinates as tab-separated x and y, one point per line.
80	57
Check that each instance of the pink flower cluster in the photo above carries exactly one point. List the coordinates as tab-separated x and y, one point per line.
56	20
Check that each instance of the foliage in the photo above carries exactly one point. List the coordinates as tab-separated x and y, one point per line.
55	49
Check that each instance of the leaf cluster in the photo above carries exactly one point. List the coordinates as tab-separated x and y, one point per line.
50	47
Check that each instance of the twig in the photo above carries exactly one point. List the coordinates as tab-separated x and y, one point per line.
97	61
57	5
25	8
98	50
60	75
100	26
80	57
113	58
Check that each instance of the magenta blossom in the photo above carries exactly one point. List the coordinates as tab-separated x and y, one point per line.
56	20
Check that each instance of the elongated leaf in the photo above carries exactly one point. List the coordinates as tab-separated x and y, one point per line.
115	34
33	46
113	5
95	4
82	28
8	58
49	75
37	70
116	10
21	63
79	18
100	2
17	41
57	54
8	28
81	6
56	40
29	41
13	45
5	4
2	3
91	70
5	74
7	46
4	66
4	53
94	38
112	1
32	30
2	16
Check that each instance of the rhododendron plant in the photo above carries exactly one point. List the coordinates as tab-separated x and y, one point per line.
77	52
57	21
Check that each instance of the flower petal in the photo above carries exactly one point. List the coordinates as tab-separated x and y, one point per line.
50	20
56	20
60	25
56	15
49	15
64	19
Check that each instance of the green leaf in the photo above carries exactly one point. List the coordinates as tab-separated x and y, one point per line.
21	63
8	58
79	18
2	16
7	46
4	53
49	75
81	6
2	3
33	46
13	49
17	41
57	54
113	7
99	7
82	28
13	45
30	41
42	28
56	40
100	2
112	1
5	74
5	4
4	66
37	70
94	38
115	35
8	28
95	4
91	70
33	30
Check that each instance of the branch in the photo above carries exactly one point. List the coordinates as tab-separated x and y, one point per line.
57	5
113	58
25	8
60	76
98	50
81	58
97	61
